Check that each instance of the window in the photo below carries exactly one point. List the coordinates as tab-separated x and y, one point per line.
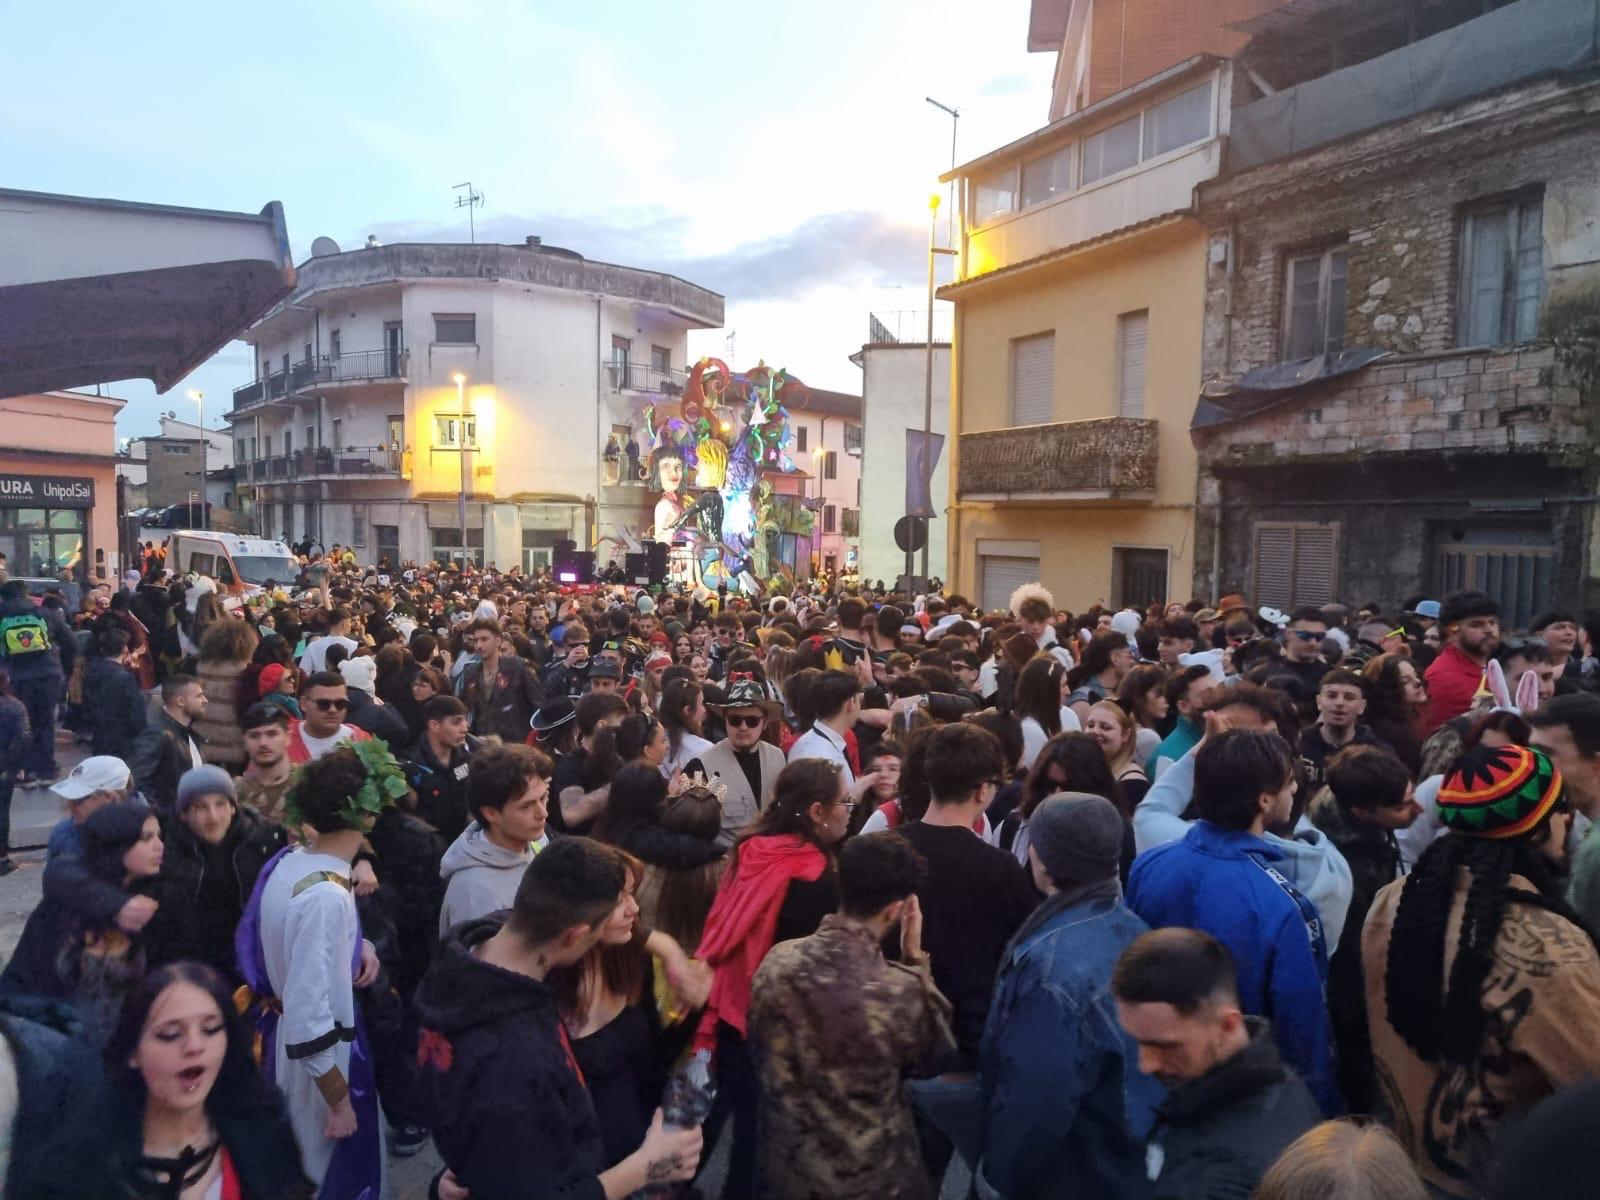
174	448
1133	335
852	523
1502	273
358	524
447	545
1139	575
333	343
830	519
830	464
620	349
1033	378
459	329
1296	563
288	443
1179	121
994	195
311	437
1045	178
1512	565
307	355
338	433
800	438
1314	304
267	442
252	449
660	358
238	451
852	438
449	429
1000	575
1111	150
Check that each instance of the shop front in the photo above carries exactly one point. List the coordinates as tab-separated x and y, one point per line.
44	524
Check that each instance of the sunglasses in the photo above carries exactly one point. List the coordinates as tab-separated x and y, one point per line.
331	705
1307	635
744	722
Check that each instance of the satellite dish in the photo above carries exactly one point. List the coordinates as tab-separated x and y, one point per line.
323	247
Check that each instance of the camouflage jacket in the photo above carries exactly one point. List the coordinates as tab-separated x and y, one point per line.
835	1027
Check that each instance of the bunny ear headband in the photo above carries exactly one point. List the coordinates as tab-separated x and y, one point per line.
1494	687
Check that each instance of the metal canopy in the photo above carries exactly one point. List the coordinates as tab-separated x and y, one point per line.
98	290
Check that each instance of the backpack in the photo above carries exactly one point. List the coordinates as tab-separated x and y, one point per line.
23	634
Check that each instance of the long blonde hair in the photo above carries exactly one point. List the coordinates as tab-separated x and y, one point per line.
1125	757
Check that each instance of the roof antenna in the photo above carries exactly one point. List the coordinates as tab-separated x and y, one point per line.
473	199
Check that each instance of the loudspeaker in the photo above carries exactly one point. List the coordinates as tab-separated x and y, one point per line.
576	566
656	553
637	567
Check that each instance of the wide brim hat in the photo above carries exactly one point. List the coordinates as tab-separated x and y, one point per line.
747	693
553	714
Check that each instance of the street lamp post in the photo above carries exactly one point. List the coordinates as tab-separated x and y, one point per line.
460	381
927	395
199	398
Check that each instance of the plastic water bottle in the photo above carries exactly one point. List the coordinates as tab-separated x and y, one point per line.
685	1105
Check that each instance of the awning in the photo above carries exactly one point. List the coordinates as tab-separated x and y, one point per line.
98	290
1265	387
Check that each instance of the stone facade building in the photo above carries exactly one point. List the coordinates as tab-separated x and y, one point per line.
1398	249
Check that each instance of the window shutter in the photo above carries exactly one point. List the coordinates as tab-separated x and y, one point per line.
1133	333
800	439
1033	373
1274	559
1316	558
1004	575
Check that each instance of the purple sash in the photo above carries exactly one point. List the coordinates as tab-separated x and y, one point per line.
356	1169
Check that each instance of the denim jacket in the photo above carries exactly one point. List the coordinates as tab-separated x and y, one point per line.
1066	1110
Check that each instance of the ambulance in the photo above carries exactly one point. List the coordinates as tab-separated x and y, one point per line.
239	565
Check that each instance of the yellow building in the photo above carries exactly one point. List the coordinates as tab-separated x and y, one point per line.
1080	306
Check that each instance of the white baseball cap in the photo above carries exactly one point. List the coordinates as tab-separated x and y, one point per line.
102	773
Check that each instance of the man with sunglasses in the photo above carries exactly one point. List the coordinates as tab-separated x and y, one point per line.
324	702
747	766
1302	647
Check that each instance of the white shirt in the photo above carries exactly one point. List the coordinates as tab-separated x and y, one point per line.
320	746
316	656
1034	737
689	749
487	609
821	742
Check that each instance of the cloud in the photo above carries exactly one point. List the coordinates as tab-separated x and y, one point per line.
1006	85
850	248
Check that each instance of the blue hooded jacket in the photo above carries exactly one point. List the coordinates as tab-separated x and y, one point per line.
1217	880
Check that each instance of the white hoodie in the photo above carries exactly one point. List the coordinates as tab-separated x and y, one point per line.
480	876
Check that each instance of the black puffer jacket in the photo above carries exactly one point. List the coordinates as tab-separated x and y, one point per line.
203	890
1215	1137
509	1112
114	708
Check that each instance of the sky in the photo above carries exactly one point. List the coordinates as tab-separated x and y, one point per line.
782	154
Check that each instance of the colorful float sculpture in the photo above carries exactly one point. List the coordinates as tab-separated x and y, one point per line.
708	460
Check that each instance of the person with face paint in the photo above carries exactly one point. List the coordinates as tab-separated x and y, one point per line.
189	1114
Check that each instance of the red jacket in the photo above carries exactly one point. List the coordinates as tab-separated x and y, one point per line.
1453	679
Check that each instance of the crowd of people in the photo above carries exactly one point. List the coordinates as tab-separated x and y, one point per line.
1208	900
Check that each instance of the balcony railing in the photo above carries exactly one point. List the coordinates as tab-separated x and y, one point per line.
324	462
360	366
1103	458
641	377
910	325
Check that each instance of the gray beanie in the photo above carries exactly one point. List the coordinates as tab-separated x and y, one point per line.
1078	838
204	781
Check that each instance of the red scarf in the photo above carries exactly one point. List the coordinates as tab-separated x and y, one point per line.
742	921
852	751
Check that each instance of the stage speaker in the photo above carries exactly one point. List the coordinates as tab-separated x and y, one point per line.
576	566
637	567
656	553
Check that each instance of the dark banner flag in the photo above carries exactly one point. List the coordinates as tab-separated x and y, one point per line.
922	456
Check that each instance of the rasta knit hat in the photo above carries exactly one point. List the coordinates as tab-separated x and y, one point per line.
1499	792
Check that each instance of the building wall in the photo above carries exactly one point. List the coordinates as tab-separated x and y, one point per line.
893	387
73	436
826	432
1080	300
1130	40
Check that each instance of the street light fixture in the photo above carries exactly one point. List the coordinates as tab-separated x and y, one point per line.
460	380
199	398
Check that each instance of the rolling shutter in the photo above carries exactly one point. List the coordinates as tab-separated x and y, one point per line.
1133	333
1295	563
1033	374
1004	575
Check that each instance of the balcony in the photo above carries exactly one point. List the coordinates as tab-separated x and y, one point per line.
631	376
352	462
326	372
1106	458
